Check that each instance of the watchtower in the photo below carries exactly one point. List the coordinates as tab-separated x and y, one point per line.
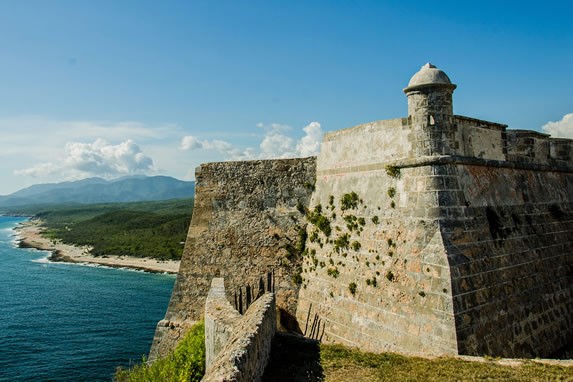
430	111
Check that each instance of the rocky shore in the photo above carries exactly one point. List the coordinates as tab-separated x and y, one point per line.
30	236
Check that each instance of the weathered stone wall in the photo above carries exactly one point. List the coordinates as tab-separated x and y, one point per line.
432	234
481	139
468	253
366	144
509	238
246	352
527	146
248	219
380	280
220	320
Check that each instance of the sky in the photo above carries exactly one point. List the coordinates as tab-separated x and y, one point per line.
112	88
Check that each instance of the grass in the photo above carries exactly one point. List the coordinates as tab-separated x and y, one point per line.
344	364
299	359
185	363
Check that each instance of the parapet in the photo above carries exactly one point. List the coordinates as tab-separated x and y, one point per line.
561	150
526	146
237	347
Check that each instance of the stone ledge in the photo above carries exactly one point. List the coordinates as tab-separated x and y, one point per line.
447	159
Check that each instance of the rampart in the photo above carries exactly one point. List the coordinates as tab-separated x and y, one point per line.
246	221
434	234
220	320
449	235
441	254
237	347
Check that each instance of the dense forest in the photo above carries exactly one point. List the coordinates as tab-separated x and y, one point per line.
143	229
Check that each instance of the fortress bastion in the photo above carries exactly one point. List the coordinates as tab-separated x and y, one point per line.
429	234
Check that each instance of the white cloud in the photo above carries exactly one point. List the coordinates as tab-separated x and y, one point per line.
310	144
189	142
95	159
275	144
38	149
560	129
229	151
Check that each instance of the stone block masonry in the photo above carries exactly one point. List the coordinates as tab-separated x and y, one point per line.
248	219
220	320
509	236
380	280
237	347
452	236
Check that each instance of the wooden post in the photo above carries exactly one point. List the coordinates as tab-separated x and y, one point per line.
236	306
248	297
307	317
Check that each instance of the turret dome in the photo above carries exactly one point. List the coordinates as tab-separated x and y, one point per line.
429	75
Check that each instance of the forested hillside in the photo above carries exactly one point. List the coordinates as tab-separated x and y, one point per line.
143	229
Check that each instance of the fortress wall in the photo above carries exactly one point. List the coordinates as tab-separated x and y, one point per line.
479	251
366	145
525	146
402	298
510	247
221	318
246	222
561	151
246	352
481	139
237	348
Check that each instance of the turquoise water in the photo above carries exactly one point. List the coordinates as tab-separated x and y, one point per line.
64	322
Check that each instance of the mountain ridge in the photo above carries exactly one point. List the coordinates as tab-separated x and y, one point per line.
98	190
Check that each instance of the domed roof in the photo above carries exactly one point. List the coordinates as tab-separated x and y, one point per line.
429	75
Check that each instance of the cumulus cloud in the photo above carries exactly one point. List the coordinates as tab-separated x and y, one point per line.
560	129
310	144
99	158
229	151
276	143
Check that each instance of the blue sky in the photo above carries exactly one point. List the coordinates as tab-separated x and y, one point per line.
112	88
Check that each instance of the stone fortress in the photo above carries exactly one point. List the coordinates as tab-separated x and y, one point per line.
430	234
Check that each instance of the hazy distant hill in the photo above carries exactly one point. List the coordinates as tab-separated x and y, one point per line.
98	190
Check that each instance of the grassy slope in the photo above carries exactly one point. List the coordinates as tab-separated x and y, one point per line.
141	229
186	363
296	359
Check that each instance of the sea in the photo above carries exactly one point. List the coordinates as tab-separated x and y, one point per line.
69	322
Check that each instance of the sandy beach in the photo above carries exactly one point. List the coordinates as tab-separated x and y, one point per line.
30	236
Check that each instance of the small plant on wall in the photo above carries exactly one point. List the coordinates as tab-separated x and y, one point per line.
349	201
320	221
391	192
390	276
392	171
352	288
333	272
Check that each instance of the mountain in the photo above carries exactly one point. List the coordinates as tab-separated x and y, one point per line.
98	190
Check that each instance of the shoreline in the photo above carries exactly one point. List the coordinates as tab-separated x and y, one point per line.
29	235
